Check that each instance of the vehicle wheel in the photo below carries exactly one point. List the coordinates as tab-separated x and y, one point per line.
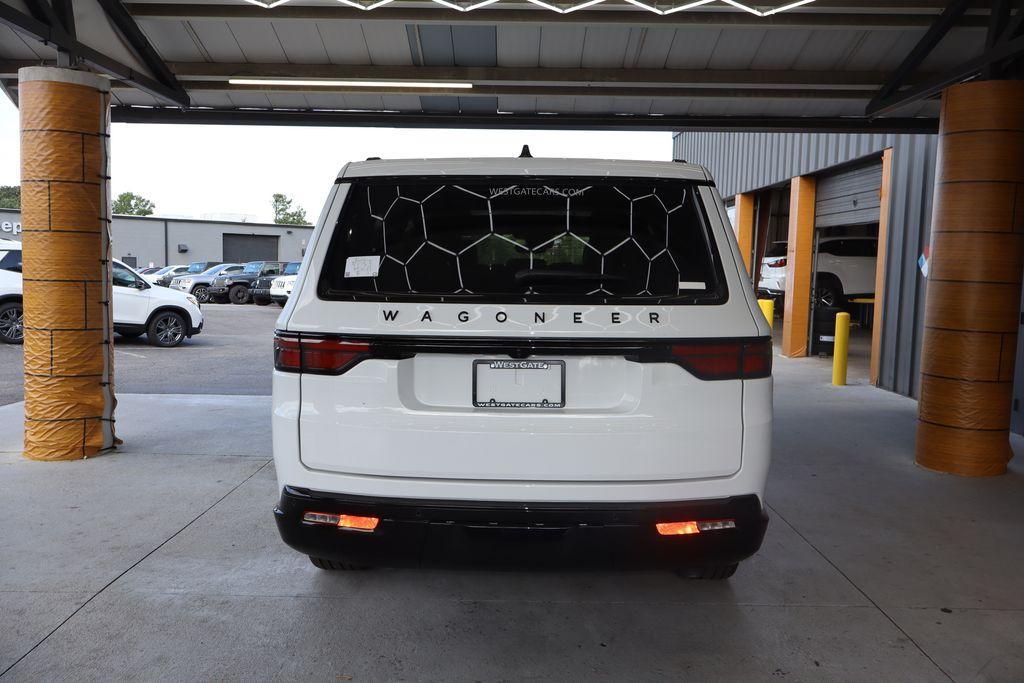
239	294
334	565
829	293
202	294
281	303
12	323
166	329
129	335
261	302
713	573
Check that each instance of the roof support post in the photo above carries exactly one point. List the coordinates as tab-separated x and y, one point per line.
68	326
799	255
972	309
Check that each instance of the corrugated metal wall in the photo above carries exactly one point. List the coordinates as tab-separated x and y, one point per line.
742	162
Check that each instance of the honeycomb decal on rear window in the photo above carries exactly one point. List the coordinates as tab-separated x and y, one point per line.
504	239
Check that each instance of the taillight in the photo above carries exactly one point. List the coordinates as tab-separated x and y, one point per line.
717	360
777	263
317	355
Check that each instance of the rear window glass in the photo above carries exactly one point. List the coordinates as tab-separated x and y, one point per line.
518	240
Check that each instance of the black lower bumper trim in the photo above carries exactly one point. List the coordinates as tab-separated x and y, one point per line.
460	533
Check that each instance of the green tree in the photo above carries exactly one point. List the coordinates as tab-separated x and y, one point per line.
284	214
131	204
10	197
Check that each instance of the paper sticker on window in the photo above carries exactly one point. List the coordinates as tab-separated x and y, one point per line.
362	266
692	285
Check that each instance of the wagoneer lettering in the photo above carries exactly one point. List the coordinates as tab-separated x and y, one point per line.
522	377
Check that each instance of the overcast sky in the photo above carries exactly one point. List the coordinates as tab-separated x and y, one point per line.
206	170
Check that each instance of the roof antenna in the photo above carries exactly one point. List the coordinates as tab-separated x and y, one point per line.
525	154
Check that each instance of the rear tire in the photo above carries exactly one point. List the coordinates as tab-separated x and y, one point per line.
166	329
716	572
239	294
334	565
12	323
281	303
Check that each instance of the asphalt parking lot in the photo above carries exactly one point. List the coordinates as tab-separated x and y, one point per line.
233	355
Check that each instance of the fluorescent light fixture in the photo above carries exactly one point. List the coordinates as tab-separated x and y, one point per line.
466	8
767	13
653	7
560	10
266	5
791	5
333	83
366	5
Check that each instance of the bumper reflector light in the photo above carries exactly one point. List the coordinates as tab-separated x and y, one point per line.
687	528
342	521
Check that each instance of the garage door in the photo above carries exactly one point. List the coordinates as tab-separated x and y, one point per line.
849	197
243	248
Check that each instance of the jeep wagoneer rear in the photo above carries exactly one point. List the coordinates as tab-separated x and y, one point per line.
523	361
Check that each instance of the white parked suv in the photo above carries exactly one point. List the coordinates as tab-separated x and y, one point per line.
845	269
166	316
523	361
281	287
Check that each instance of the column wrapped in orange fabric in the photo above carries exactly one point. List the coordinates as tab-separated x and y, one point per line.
972	310
69	364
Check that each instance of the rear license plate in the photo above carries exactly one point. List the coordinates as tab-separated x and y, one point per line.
519	384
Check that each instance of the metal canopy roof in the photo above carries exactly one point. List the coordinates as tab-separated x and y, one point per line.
620	63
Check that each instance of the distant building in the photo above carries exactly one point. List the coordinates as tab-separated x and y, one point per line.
141	241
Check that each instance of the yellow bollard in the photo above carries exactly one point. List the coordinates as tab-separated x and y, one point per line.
768	308
842	349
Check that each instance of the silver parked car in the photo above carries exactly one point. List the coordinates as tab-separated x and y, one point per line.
198	285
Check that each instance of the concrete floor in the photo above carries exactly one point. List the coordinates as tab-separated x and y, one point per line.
162	562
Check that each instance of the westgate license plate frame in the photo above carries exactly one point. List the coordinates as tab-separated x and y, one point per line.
515	364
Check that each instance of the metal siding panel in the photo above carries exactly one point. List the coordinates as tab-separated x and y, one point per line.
561	46
605	47
301	42
171	39
436	45
475	45
518	45
387	43
344	42
217	41
258	42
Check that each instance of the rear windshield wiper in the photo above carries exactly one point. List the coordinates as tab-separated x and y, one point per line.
532	277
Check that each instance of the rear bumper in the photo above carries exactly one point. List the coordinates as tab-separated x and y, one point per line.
464	533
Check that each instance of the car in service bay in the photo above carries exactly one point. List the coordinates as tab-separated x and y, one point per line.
523	361
845	270
165	316
235	287
199	285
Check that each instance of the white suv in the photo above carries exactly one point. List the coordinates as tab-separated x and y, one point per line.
845	269
523	361
166	316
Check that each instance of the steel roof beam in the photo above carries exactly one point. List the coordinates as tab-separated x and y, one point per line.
124	22
60	39
492	15
522	121
924	47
